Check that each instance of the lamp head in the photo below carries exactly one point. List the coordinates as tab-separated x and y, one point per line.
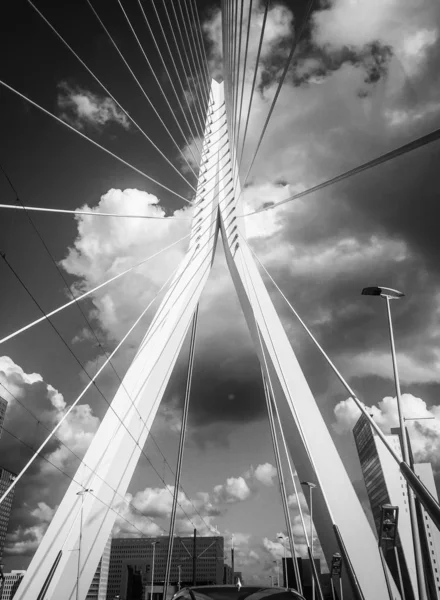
308	484
382	291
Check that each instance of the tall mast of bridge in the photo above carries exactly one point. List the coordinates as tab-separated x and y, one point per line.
68	555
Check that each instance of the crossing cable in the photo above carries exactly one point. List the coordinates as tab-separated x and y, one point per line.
265	368
198	38
171	81
203	69
89	325
270	398
201	86
257	61
196	12
181	448
88	293
433	136
159	84
89	213
430	504
197	107
92	381
237	139
236	66
124	162
81	460
197	94
140	86
238	80
280	85
109	93
90	491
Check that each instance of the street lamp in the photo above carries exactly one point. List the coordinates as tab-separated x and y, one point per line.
390	294
152	568
311	485
286	577
277	572
84	491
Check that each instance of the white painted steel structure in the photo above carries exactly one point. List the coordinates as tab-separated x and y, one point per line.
115	450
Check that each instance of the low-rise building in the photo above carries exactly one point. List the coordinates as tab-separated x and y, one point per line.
11	583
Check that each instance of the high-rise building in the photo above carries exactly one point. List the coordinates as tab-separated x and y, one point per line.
131	559
11	583
98	587
386	485
6	477
432	534
3	407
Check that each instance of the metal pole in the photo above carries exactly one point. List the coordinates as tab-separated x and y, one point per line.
286	578
179	569
333	588
399	571
194	558
232	558
79	545
411	502
385	570
152	570
311	542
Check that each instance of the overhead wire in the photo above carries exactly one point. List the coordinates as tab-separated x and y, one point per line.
433	136
159	84
254	79
234	136
141	87
197	133
121	160
237	139
104	87
297	39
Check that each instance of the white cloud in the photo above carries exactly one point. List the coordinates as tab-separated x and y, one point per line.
424	435
81	107
23	541
105	247
265	474
13	379
234	490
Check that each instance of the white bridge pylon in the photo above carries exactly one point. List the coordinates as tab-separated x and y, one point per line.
66	560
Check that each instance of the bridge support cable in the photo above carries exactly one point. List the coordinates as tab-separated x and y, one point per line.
141	87
121	421
237	86
430	504
195	13
237	139
181	449
197	108
172	112
297	39
196	29
254	79
424	140
89	292
201	85
121	160
107	91
89	213
194	133
202	66
269	399
197	94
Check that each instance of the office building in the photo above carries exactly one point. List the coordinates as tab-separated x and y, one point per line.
98	587
431	538
3	407
6	477
11	583
131	563
227	575
386	485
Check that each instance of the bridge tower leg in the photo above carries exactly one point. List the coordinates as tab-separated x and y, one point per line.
55	572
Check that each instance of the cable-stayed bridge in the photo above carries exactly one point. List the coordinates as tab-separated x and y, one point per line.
211	144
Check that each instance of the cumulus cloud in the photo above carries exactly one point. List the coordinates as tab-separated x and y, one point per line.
424	434
235	489
265	473
82	108
13	379
23	541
